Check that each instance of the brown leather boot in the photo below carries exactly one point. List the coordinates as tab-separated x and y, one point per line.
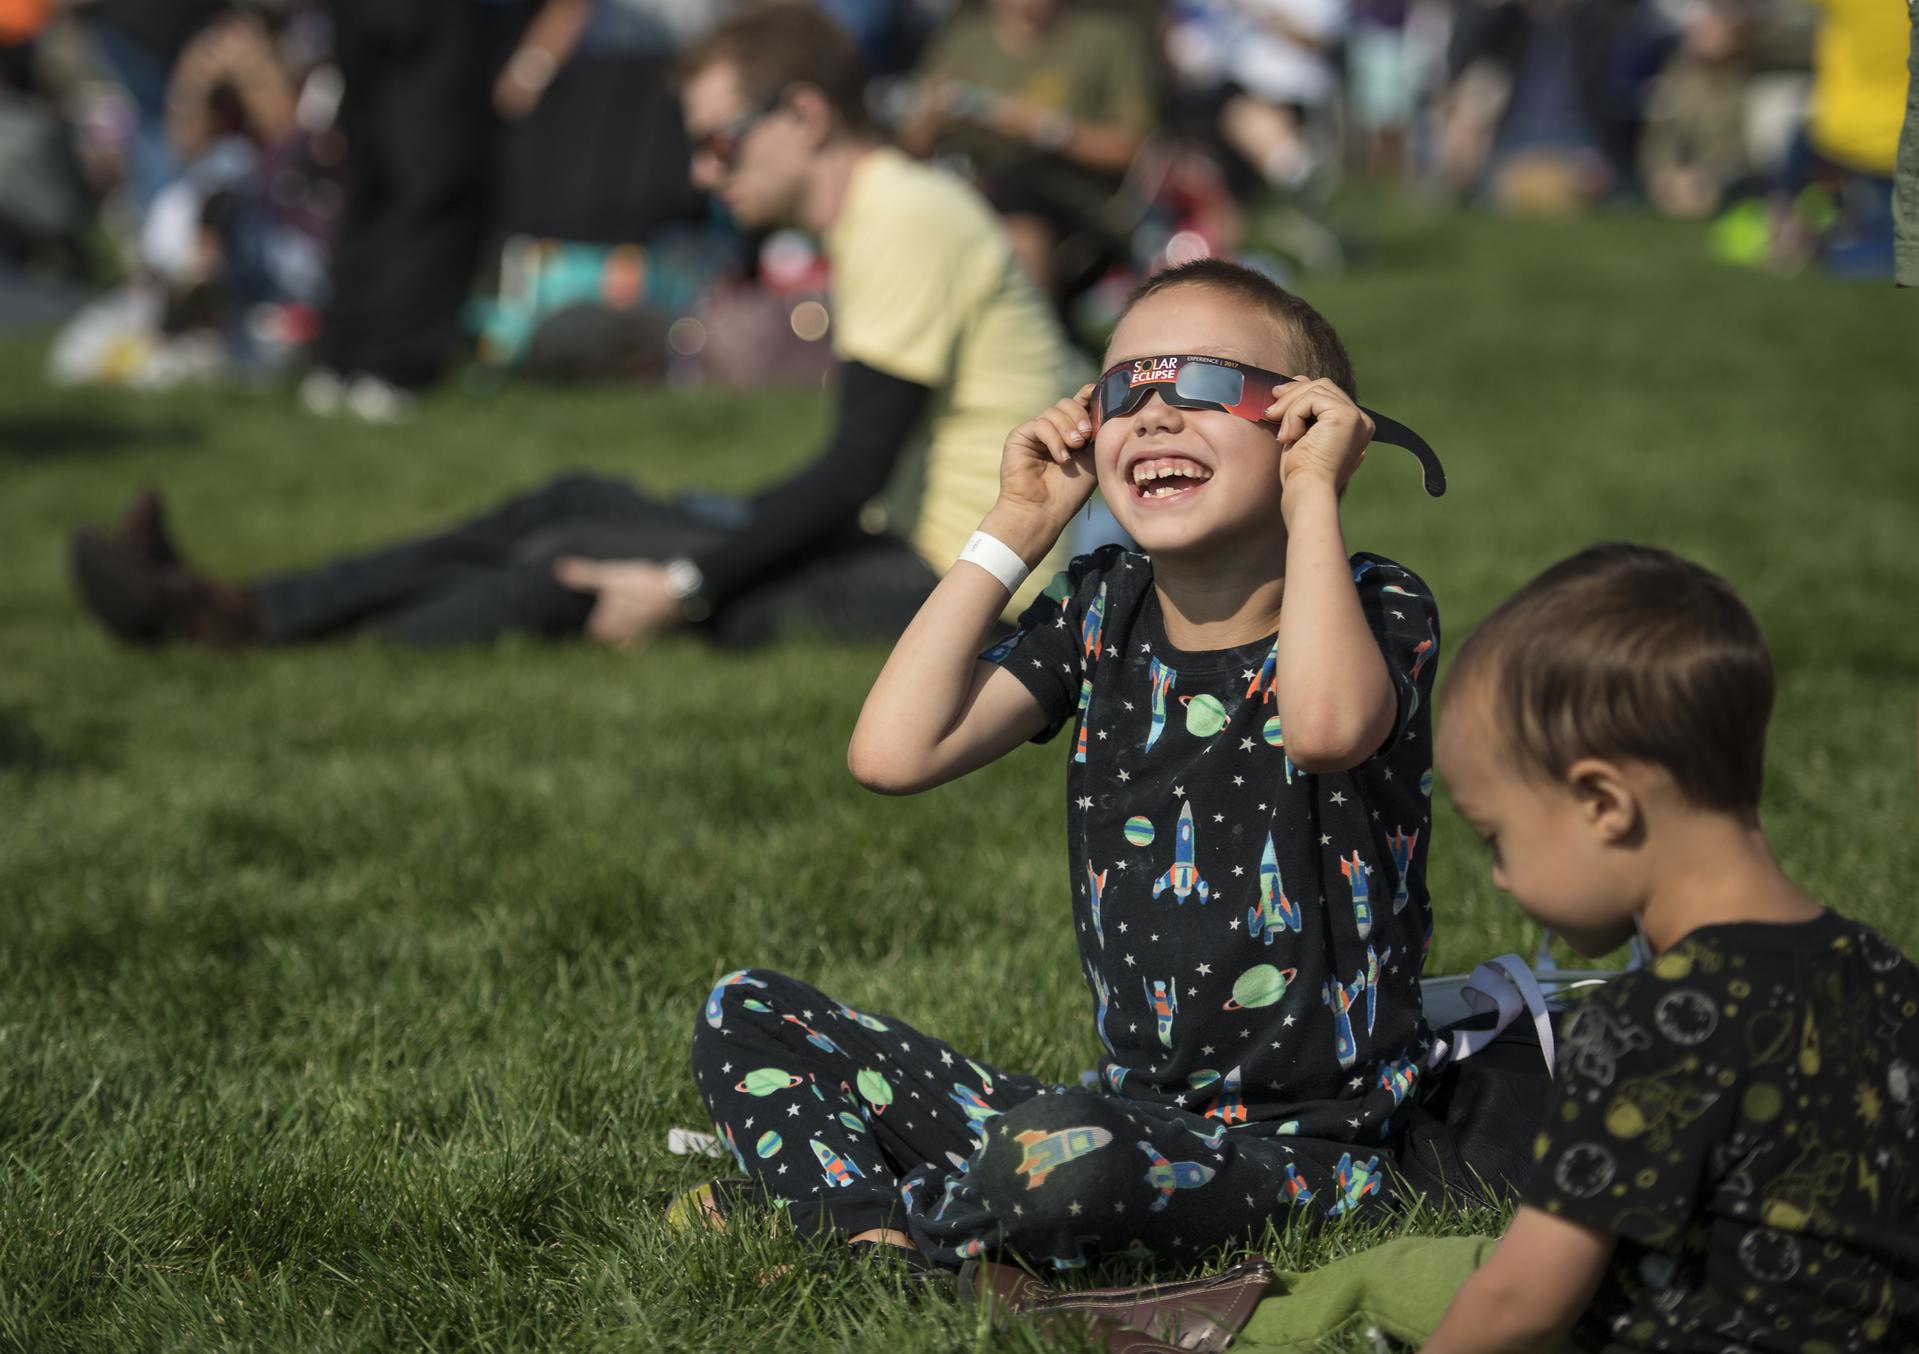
143	602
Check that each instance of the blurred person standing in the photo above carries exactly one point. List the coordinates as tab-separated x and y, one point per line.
1045	103
942	345
418	115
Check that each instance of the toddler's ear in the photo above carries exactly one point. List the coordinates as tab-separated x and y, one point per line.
1609	802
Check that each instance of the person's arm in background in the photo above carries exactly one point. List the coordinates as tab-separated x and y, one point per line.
875	417
1529	1292
938	710
549	40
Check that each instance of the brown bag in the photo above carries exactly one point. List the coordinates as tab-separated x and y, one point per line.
1186	1316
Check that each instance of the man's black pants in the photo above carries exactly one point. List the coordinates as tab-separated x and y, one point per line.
493	575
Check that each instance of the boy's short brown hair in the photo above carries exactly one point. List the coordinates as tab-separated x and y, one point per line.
1309	339
774	44
1628	652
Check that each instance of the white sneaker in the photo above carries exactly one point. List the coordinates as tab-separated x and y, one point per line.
321	392
372	400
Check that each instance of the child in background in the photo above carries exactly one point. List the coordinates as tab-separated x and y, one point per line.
1247	827
1730	1161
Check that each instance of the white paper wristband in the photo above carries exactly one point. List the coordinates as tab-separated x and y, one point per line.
998	559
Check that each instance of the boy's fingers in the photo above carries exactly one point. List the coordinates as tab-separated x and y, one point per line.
1067	421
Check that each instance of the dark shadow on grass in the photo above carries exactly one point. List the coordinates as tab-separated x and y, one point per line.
29	753
48	437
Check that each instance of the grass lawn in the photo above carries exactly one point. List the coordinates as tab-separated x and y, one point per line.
345	993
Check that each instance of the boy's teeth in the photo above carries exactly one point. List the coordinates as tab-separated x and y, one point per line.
1143	474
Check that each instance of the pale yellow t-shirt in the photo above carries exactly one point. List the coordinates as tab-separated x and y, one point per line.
926	288
1859	82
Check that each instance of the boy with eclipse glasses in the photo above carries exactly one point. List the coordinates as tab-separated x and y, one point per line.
1247	824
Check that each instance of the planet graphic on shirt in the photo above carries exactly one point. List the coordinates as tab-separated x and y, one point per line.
1205	716
1203	1078
1139	830
766	1080
769	1144
1426	783
878	1093
1260	985
853	1122
1272	734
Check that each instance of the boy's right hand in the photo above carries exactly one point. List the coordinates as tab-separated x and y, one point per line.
1045	476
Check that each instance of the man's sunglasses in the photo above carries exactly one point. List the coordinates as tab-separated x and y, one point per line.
1194	381
723	143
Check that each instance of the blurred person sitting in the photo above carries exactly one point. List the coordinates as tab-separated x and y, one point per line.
942	344
1045	103
1546	100
1693	153
1263	71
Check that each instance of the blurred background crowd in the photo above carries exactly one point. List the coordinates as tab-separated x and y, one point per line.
362	194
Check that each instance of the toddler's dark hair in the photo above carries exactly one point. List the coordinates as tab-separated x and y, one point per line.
1628	652
1310	341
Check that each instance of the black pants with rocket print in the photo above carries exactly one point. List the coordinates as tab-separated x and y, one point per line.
853	1121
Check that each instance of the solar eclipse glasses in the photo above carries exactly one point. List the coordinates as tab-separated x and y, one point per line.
1195	381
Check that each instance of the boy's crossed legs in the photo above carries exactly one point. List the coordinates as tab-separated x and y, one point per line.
857	1122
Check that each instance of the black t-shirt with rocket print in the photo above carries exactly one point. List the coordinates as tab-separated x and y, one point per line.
1252	935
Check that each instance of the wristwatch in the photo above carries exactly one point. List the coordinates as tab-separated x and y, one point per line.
683	583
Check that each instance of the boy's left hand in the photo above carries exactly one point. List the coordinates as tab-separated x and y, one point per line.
1322	433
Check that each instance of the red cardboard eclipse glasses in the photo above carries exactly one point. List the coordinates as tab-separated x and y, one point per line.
1195	381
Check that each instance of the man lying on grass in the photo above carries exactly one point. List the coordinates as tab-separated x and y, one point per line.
943	345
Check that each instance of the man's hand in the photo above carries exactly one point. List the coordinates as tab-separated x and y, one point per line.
1046	474
1322	433
633	603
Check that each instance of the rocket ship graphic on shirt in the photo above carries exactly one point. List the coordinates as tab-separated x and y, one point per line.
1163	996
1341	997
1098	981
1356	876
1090	630
1274	909
1401	846
1162	679
1183	877
1265	683
1095	886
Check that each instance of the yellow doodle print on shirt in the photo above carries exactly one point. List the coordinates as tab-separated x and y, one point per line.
1804	1189
1656	1106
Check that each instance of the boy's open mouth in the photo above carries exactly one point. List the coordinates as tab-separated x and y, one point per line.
1162	477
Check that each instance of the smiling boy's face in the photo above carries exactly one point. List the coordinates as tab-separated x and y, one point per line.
1186	480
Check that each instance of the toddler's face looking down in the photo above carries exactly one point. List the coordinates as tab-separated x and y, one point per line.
1548	851
1185	480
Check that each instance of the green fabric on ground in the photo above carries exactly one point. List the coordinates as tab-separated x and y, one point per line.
1402	1287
